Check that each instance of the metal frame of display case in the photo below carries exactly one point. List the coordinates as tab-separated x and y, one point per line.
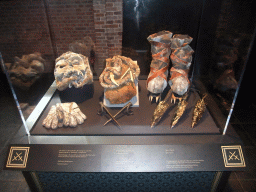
44	149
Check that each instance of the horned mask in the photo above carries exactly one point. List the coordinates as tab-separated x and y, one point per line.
72	69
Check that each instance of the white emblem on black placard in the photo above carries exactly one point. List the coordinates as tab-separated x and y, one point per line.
18	157
233	156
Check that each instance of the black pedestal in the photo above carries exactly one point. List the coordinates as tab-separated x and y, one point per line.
77	95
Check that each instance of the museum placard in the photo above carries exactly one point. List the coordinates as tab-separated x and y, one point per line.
126	158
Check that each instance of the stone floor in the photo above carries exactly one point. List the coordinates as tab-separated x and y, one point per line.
243	120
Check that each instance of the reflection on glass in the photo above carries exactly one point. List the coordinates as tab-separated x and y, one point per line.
29	80
35	33
4	68
224	65
233	36
25	71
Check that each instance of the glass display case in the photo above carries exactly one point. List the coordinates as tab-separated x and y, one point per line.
142	86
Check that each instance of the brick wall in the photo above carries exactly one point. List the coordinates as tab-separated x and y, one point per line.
24	27
70	20
108	18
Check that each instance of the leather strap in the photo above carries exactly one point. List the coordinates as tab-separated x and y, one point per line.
176	73
161	45
159	56
156	73
174	57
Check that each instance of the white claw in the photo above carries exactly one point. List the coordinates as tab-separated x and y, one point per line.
131	76
150	98
157	99
112	78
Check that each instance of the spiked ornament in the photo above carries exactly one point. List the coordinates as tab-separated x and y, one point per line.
161	109
179	110
198	111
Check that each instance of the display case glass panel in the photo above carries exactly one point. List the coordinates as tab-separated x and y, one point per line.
197	49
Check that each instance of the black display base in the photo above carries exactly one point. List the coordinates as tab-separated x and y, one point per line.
137	124
77	95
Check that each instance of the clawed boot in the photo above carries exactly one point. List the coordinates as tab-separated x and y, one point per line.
181	58
161	50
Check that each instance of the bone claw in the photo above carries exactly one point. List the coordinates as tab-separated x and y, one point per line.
125	73
174	99
150	98
131	76
158	98
113	79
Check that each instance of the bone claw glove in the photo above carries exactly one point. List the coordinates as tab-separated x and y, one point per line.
51	121
71	114
80	117
60	117
67	114
64	113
